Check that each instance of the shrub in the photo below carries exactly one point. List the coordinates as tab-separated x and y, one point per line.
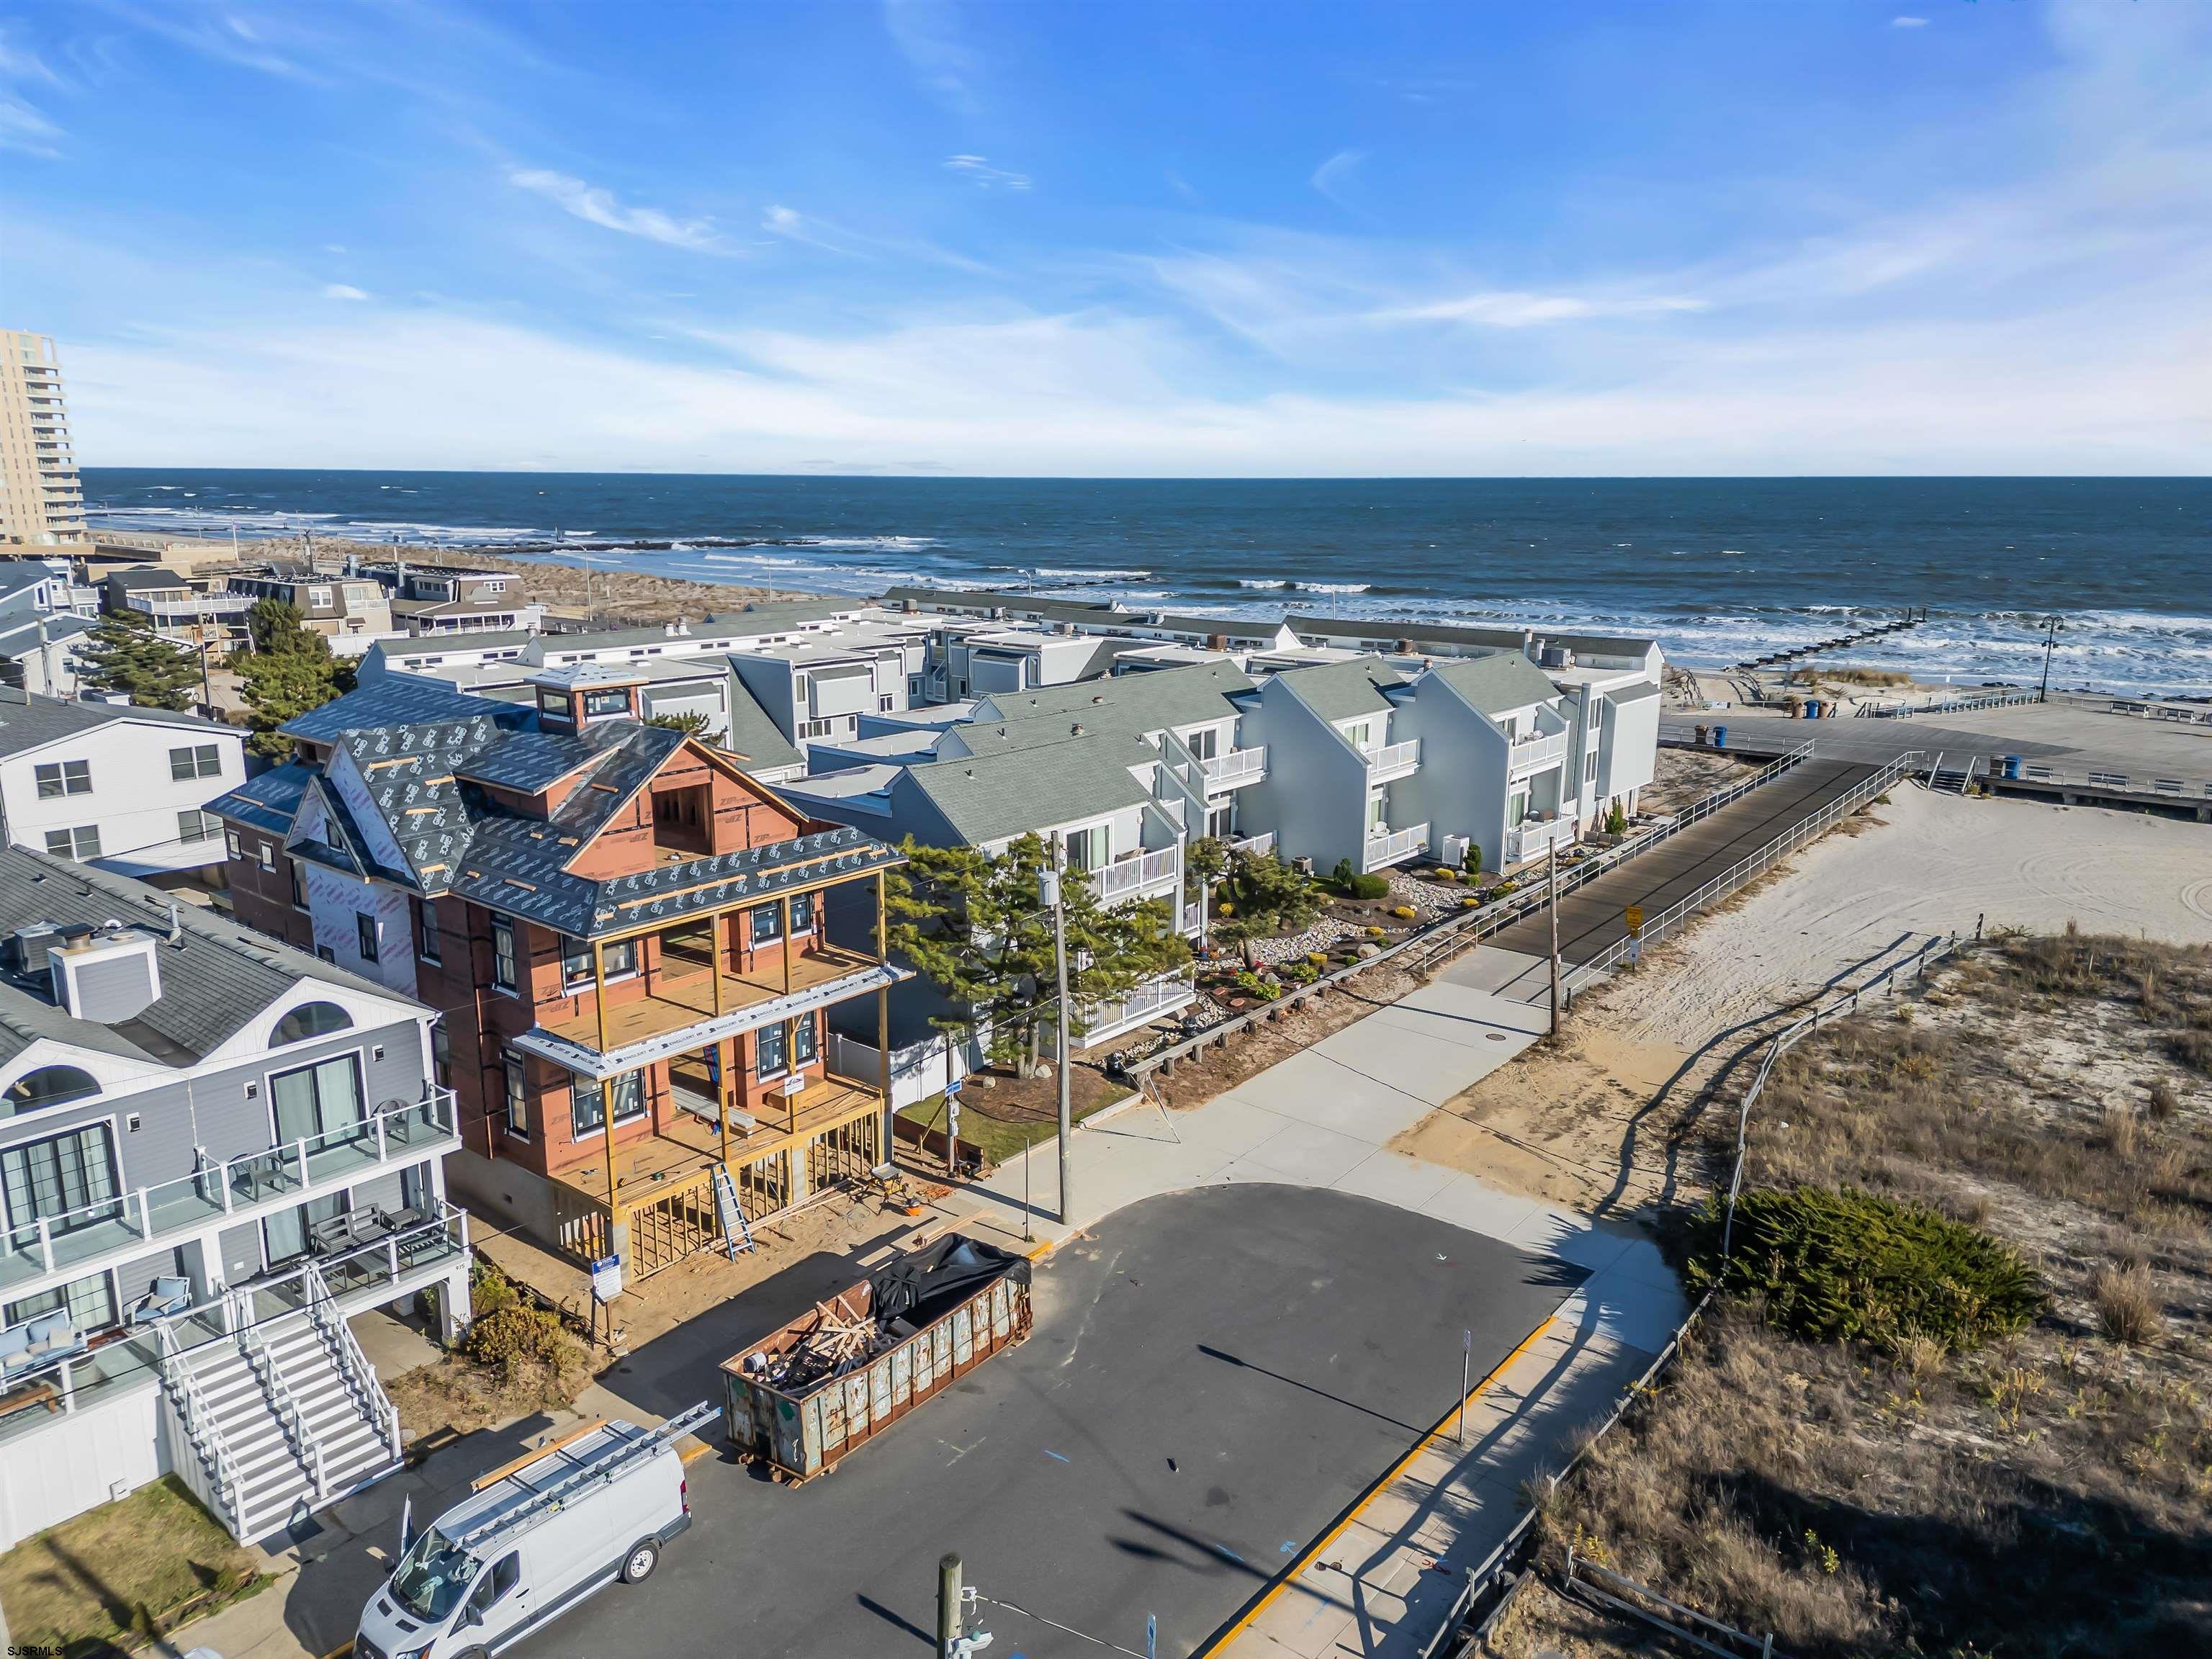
1373	932
2192	1049
1616	820
1301	972
1343	872
1319	958
488	1291
2164	1101
513	1336
1253	985
1446	873
1404	911
1834	1264
1363	887
2127	1309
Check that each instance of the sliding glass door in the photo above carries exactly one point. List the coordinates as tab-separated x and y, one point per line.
315	1100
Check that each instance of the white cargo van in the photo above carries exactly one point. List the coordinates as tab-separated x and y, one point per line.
532	1541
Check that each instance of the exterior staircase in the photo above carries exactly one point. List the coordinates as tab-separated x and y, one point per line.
285	1413
1955	779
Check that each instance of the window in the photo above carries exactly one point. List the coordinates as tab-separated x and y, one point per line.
63	778
202	759
886	703
771	1051
268	855
80	843
364	933
326	954
90	1302
517	1098
503	953
230	838
587	1101
767	922
815	728
50	1085
321	1099
298	871
427	944
319	598
441	1055
606	703
802	1041
68	1181
309	1019
1589	766
1086	849
802	913
194	825
620	958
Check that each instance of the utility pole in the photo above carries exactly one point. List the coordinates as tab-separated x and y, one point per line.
1049	888
2049	639
948	1607
1552	882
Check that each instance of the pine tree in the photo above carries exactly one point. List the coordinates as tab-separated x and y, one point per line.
291	669
123	654
974	925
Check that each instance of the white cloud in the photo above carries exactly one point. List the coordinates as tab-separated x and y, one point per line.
599	206
24	127
1908	22
795	226
1331	177
978	171
1521	310
343	291
927	37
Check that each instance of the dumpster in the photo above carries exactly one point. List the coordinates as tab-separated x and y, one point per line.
834	1379
1719	736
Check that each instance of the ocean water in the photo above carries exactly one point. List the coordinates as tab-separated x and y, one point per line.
1718	569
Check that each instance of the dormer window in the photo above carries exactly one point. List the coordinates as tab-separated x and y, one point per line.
50	1085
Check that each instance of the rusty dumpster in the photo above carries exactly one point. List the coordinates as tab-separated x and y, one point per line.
835	1378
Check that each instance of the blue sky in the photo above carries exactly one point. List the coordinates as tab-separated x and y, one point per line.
1120	239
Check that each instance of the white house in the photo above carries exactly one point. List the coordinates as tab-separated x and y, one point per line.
113	784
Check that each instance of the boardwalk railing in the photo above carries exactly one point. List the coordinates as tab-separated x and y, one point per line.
1898	711
1508	1562
1426	950
1670	919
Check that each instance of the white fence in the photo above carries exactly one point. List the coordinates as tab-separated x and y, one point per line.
1398	844
1130	876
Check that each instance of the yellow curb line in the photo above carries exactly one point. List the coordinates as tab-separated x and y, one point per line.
1312	1552
696	1452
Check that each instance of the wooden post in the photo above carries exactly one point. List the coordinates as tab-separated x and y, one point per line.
783	916
618	1230
726	1050
715	958
889	1151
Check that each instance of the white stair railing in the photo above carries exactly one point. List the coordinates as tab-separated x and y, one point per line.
353	1364
290	1418
202	1432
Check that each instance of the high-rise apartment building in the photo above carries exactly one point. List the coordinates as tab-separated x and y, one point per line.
41	503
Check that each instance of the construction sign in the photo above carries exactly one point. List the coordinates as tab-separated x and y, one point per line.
1634	917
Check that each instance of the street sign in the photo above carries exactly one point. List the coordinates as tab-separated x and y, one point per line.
1634	917
952	1088
607	1278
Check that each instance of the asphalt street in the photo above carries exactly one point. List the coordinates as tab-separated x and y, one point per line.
1214	1375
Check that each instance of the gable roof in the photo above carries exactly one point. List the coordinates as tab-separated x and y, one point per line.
1134	702
268	802
1495	684
1342	690
214	981
990	798
756	741
27	720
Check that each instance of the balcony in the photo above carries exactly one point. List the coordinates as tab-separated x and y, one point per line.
686	1010
1104	1020
1253	847
1237	769
1393	760
50	1249
195	609
1534	753
1141	873
1394	847
1534	837
419	1250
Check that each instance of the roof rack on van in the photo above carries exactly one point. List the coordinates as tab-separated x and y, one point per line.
590	1471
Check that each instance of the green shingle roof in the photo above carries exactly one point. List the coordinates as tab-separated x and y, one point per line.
1144	701
1494	685
1343	690
992	798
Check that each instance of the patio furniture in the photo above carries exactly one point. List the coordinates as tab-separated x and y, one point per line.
168	1297
40	1345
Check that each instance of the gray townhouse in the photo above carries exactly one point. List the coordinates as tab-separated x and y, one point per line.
215	1151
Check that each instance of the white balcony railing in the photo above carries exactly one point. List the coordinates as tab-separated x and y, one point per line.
1533	838
1135	875
190	610
1255	847
82	1240
1393	760
1396	845
1237	769
1536	751
1163	996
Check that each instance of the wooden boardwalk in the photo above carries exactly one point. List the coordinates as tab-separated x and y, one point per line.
1593	918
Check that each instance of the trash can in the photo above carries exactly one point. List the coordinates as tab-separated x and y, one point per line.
1719	736
1812	709
2012	766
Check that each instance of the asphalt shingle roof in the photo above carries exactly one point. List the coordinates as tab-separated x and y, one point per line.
1342	690
1494	685
268	802
753	737
989	799
391	700
27	720
1148	701
214	982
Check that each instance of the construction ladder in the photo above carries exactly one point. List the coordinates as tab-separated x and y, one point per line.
545	1504
736	1231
